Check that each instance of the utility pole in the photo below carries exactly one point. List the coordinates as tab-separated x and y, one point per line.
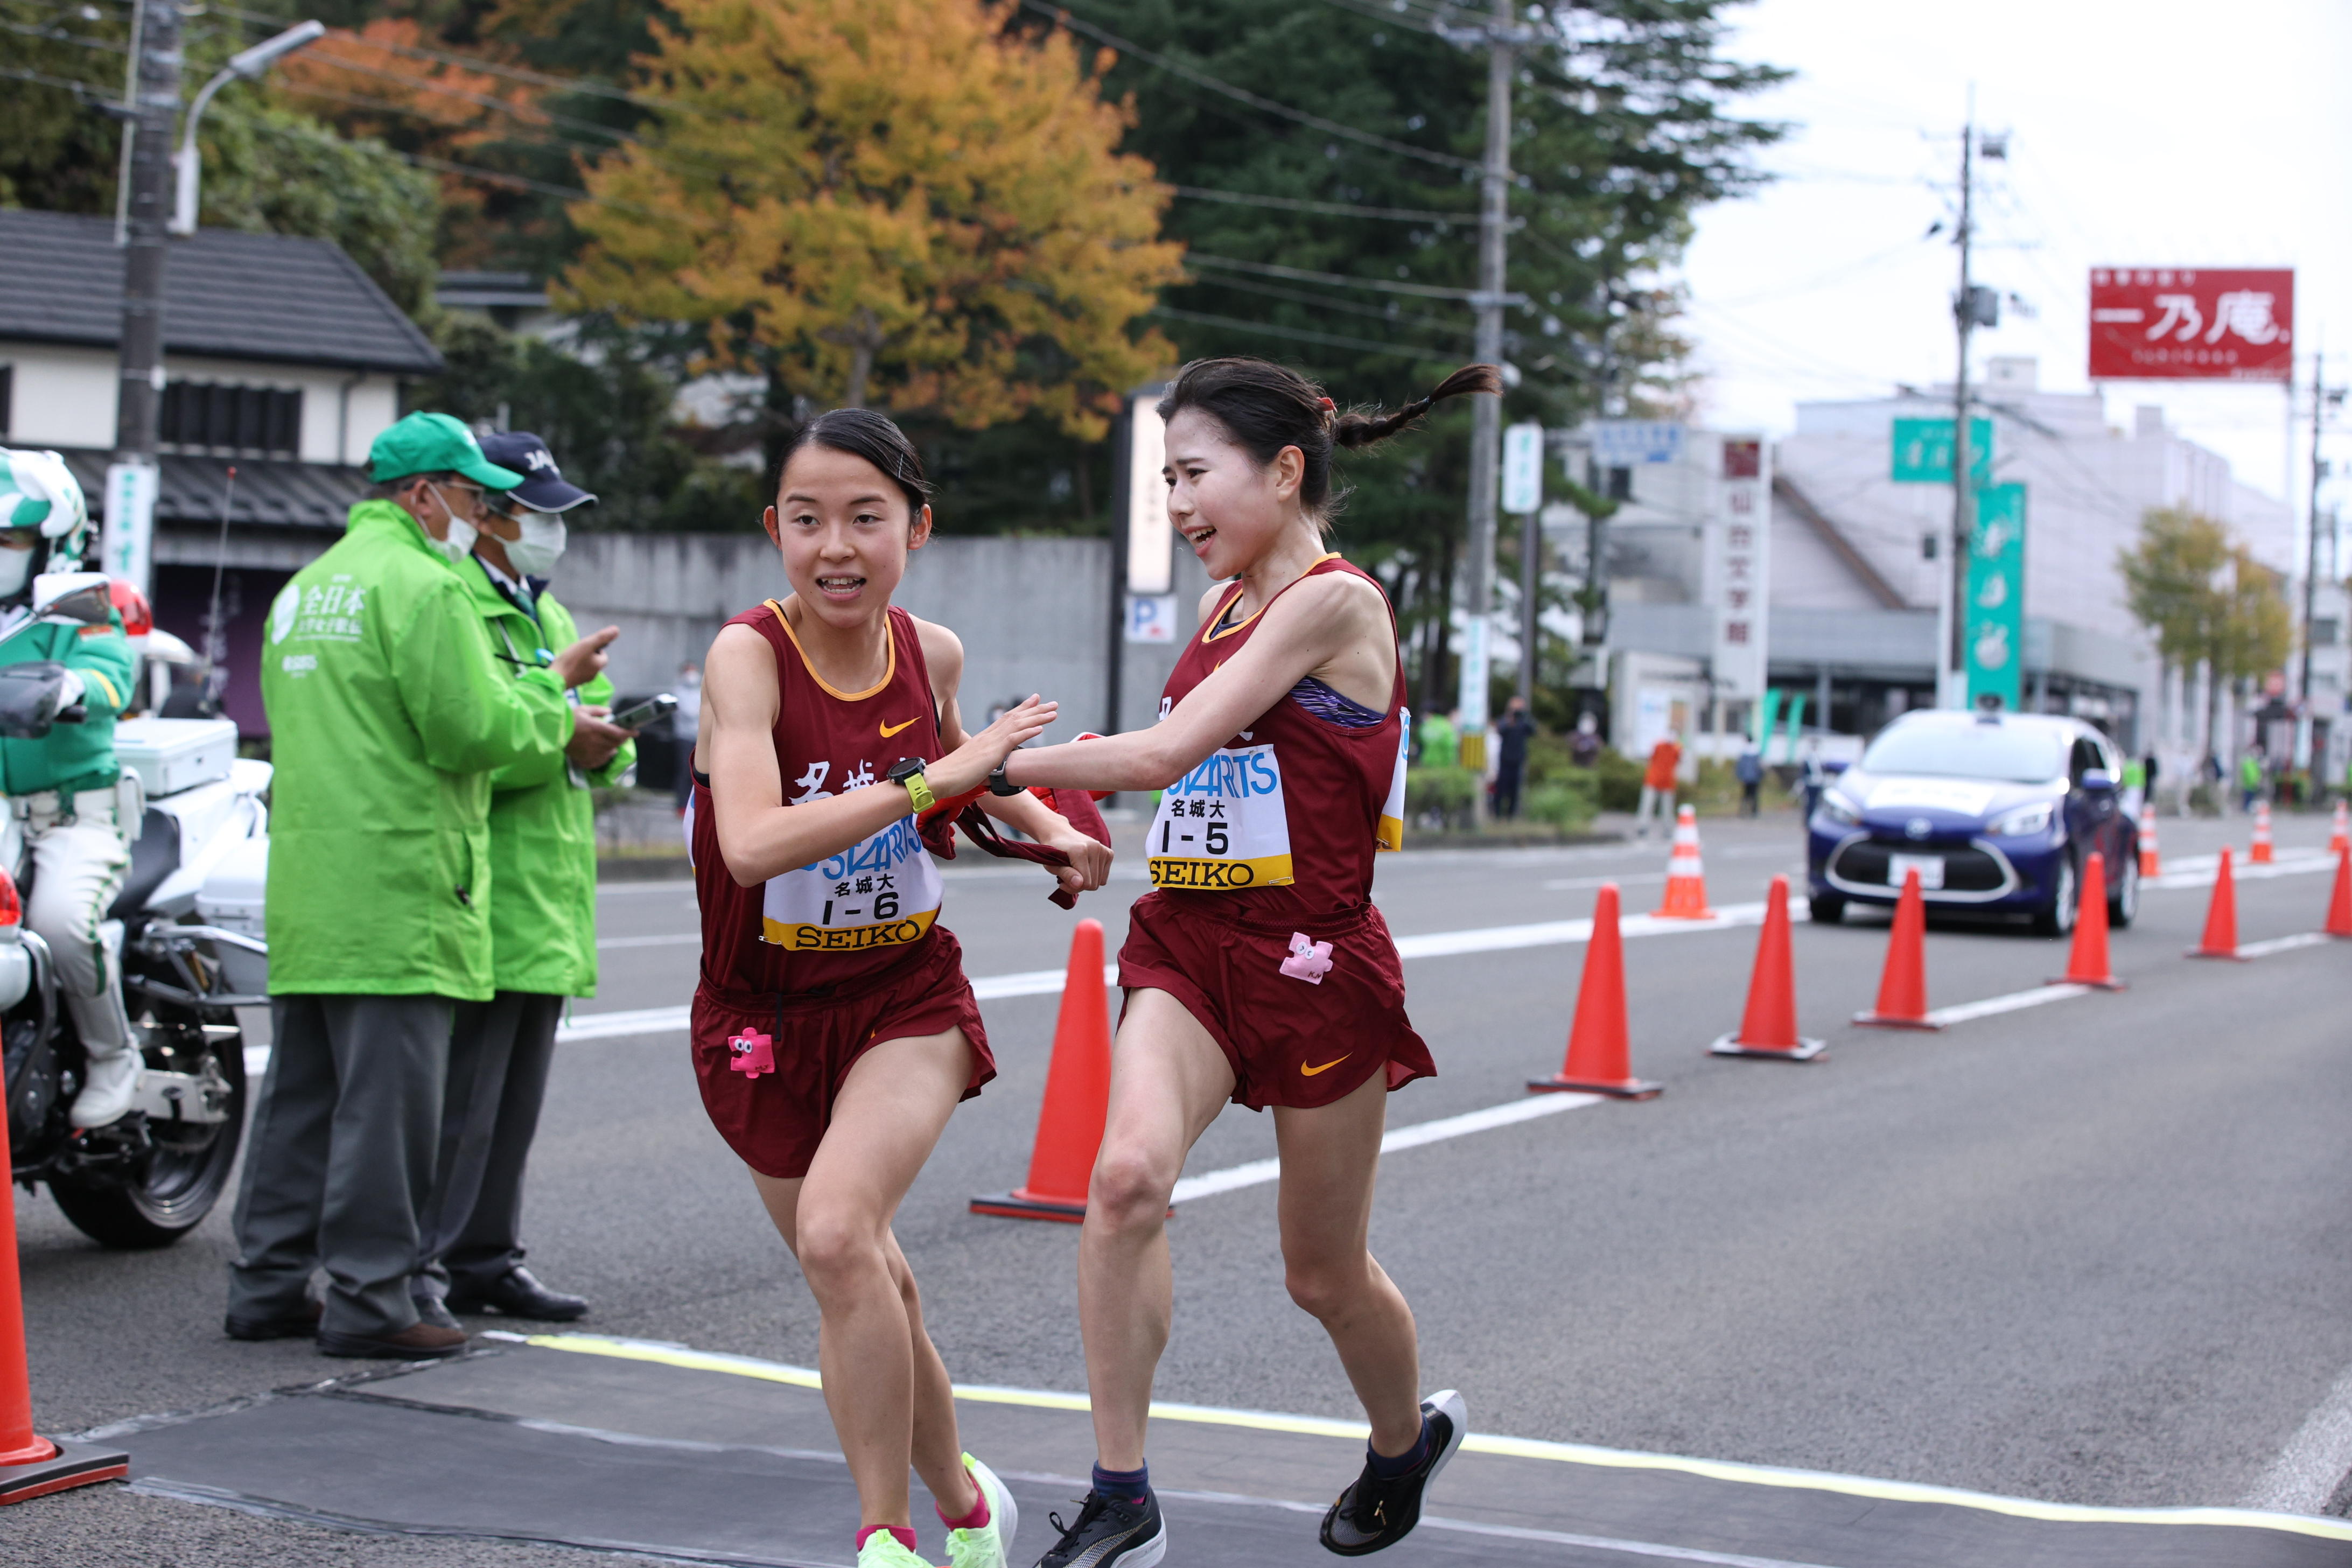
145	248
1964	498
126	550
1500	37
2321	401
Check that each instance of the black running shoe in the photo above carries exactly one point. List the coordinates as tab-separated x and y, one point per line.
1380	1512
1109	1532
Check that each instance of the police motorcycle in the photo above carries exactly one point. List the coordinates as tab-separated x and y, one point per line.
186	932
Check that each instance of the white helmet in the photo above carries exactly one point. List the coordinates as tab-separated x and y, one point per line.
39	491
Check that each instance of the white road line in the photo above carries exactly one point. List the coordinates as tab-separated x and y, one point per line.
670	886
1258	1172
2016	1001
2305	1476
2203	870
606	1025
2283	944
668	939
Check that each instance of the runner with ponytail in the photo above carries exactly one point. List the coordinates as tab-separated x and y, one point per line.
1257	970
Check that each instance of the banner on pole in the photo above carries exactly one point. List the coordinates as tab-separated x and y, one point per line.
1150	541
126	546
1522	469
1994	635
2202	323
1923	451
1739	567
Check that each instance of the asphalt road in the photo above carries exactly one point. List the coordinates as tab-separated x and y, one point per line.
2095	1251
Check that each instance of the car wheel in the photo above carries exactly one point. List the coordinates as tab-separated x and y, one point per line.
2123	897
2057	916
1826	909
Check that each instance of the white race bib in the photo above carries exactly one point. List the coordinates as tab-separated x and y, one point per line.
880	892
1224	826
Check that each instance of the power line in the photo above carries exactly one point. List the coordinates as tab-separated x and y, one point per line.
1267	329
1300	274
77	88
1334	209
1242	94
58	35
1324	302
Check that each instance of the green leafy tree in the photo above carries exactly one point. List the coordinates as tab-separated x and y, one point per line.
2206	600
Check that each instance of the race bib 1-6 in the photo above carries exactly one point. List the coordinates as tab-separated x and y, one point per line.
1224	826
880	892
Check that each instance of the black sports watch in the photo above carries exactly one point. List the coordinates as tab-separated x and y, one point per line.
908	771
998	784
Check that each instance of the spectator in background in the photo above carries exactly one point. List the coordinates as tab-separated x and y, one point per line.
685	728
2148	774
2134	782
2249	777
1441	743
1511	757
1816	777
1658	784
1750	771
1584	744
542	917
388	713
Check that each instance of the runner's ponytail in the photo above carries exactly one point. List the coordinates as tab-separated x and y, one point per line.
1264	407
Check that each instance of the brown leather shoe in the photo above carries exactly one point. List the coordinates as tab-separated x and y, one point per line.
418	1341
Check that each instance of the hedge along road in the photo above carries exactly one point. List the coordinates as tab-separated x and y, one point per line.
2086	1252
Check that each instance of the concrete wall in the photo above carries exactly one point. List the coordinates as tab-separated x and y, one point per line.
1033	614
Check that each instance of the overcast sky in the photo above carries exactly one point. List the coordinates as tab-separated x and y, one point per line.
2184	132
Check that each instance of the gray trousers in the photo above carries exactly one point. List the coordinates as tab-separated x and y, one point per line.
338	1162
499	1053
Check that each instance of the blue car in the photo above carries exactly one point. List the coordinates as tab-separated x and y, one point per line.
1997	812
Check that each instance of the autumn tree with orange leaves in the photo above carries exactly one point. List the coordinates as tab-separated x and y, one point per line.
904	202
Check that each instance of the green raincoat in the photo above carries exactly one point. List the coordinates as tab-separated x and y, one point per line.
71	757
388	714
542	821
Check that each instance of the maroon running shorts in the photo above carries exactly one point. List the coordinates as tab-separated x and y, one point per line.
1290	1041
774	1121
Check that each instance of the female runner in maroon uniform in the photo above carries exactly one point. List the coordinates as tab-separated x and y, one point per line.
1257	970
833	1030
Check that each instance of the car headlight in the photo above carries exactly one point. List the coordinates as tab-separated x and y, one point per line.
2025	821
1837	809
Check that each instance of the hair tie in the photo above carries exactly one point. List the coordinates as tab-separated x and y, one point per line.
1328	406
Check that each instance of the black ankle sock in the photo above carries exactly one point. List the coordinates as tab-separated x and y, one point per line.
1128	1485
1388	1469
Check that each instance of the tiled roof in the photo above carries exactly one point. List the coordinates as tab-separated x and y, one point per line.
284	494
226	293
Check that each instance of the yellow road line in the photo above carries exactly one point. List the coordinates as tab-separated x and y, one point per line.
1508	1447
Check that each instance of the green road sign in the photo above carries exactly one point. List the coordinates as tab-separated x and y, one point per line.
1923	451
1993	636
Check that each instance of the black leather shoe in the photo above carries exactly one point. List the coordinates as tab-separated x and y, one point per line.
298	1325
515	1294
418	1341
430	1309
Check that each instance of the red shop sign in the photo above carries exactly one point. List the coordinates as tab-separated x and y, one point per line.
2204	323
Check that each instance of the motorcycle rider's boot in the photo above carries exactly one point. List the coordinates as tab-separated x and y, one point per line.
115	1062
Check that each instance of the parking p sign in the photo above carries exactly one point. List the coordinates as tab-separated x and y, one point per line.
1151	617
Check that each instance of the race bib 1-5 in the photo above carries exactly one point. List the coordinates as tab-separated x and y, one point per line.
1224	826
880	892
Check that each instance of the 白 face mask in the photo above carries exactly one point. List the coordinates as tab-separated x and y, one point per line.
16	571
540	546
462	535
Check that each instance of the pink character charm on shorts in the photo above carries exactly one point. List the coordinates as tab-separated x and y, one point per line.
1309	960
751	1053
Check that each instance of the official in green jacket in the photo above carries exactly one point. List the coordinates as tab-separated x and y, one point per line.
388	714
542	917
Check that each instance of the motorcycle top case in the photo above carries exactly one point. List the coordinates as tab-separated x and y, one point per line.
172	754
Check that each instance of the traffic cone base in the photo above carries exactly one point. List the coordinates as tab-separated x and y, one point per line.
72	1465
1804	1050
1924	1026
1618	1089
1022	1204
2107	984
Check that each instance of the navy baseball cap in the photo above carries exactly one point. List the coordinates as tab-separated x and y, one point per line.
543	486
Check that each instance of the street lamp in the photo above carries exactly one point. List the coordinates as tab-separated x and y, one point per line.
248	65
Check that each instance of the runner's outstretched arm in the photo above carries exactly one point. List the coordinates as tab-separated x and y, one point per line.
759	835
1317	620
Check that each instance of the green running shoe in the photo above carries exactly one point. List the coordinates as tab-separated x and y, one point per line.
989	1546
882	1550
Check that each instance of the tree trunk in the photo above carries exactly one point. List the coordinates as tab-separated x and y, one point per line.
864	340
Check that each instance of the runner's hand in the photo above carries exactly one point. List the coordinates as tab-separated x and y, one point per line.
1089	866
968	766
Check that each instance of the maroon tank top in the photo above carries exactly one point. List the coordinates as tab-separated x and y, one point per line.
849	917
1281	823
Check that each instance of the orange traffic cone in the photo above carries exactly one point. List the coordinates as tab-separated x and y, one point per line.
2262	850
1600	1060
1903	986
1077	1097
1686	874
2088	963
1769	1027
2150	862
2339	903
2221	940
31	1466
2340	839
